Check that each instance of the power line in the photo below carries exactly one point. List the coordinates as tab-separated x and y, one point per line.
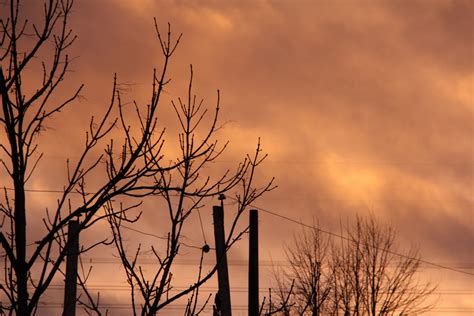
321	199
287	219
146	260
180	307
158	237
329	233
236	289
122	226
351	240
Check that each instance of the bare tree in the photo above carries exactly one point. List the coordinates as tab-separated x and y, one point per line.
187	190
110	185
364	273
310	273
346	260
282	305
385	282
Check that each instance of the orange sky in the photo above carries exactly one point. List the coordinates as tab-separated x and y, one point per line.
363	106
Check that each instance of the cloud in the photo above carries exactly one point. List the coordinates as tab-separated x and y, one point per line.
361	105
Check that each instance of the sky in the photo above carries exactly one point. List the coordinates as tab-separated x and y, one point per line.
362	106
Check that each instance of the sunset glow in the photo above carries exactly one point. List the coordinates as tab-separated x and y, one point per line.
363	107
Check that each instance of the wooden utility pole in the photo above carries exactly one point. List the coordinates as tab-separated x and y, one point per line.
71	268
223	298
253	303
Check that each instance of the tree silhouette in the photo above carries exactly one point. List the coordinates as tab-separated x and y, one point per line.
110	185
362	274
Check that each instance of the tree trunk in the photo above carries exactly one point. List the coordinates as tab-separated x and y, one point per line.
21	269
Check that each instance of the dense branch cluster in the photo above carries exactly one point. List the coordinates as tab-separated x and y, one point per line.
130	168
362	274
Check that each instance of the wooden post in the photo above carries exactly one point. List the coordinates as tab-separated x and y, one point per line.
71	268
253	302
221	259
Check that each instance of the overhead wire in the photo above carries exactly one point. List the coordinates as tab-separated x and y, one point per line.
426	262
202	226
351	240
123	226
158	237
